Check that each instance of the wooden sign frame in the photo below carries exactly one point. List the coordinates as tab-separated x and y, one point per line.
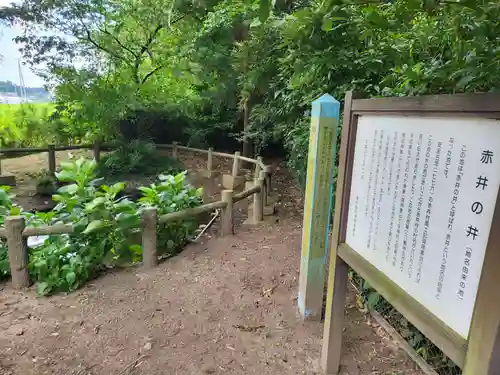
480	353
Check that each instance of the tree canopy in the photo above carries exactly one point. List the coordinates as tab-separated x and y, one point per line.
249	69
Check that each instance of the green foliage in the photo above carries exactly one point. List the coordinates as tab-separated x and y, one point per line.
63	264
32	125
210	66
106	227
136	158
46	183
380	49
5	202
4	260
207	65
6	208
168	196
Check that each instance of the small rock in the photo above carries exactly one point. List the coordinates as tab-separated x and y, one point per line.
54	334
20	332
148	346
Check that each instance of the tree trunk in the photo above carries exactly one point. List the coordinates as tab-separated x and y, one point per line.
247	142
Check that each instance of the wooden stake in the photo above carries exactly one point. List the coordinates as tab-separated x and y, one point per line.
267	174
338	268
257	167
268	171
236	164
209	162
258	201
483	351
17	251
149	238
227	224
97	151
174	150
52	158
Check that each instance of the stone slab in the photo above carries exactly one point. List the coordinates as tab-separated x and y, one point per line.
8	180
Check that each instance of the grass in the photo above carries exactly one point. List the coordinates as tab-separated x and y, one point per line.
24	124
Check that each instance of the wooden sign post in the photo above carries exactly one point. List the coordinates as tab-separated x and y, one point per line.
320	165
418	217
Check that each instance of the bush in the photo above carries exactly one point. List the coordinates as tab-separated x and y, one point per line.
106	226
6	208
168	196
46	183
4	260
26	125
136	158
64	264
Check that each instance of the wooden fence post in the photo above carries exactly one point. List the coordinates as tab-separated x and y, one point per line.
149	237
97	150
257	167
236	164
227	224
258	201
268	171
17	251
210	162
174	150
52	158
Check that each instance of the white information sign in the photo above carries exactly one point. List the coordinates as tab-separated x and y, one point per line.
421	206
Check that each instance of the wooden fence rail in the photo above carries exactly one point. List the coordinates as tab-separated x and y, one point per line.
97	147
16	232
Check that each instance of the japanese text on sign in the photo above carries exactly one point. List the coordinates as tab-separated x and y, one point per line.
422	198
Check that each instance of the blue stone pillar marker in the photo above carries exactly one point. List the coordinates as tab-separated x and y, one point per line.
318	205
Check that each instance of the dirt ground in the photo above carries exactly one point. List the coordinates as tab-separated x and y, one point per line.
223	306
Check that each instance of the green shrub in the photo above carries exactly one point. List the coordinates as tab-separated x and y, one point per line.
170	195
64	264
106	226
136	158
6	208
25	125
4	261
46	183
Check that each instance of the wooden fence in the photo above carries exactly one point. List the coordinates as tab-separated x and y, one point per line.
16	232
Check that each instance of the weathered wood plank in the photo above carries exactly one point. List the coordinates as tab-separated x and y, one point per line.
191	211
483	355
479	103
246	193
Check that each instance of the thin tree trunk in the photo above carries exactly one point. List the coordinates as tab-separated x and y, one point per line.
247	142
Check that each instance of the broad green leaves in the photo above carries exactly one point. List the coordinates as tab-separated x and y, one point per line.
94	226
106	226
264	10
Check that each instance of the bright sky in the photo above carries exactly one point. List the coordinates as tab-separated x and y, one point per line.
9	51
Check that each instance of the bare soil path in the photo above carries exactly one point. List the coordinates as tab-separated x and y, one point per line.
223	306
